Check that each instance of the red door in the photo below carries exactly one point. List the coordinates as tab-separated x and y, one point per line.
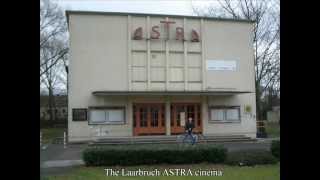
192	110
149	119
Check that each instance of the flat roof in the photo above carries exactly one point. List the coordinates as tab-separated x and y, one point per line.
68	12
165	93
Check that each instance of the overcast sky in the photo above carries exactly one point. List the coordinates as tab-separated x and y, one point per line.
175	7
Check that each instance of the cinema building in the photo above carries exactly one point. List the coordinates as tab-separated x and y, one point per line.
145	75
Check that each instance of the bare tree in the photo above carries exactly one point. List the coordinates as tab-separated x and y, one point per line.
53	78
266	37
53	51
53	28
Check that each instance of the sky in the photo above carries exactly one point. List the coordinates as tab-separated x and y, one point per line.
174	7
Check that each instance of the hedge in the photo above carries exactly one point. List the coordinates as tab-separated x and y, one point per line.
275	148
250	158
129	156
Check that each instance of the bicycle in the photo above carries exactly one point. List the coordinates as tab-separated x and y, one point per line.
187	138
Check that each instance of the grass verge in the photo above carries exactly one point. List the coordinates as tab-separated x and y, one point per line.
48	134
260	172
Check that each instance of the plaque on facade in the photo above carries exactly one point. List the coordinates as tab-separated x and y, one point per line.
79	114
221	65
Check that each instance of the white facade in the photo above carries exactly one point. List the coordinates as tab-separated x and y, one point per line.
217	71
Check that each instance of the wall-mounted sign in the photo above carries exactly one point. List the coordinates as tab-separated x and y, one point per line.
155	34
247	108
221	65
79	114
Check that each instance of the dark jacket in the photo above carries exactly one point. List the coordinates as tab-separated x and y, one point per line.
189	125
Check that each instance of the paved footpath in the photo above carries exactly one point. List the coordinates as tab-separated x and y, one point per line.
55	159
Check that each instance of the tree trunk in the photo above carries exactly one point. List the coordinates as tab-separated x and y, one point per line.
258	103
50	104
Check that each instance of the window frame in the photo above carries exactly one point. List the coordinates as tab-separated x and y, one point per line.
106	108
224	108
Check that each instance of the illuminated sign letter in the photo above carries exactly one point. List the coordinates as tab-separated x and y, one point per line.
194	36
138	34
155	33
179	33
166	25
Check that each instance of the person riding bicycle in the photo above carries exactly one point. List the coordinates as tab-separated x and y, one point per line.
188	128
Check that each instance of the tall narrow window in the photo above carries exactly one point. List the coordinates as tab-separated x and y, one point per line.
172	115
180	110
190	110
154	116
163	115
199	115
134	116
143	117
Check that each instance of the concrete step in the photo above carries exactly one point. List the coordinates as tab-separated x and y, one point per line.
167	140
164	137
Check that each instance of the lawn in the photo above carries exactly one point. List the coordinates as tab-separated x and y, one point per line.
265	172
273	129
48	134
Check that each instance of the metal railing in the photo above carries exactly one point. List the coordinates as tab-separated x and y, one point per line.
57	140
261	124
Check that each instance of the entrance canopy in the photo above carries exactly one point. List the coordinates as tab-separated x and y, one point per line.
166	93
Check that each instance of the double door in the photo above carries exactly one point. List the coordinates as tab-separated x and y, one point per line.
149	119
181	112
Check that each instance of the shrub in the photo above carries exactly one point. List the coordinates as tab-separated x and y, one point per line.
250	158
275	148
102	156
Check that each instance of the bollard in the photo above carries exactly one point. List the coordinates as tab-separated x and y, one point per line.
64	140
40	139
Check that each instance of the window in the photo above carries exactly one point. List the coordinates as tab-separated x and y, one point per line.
116	115
224	114
107	115
232	114
97	116
154	116
143	117
217	114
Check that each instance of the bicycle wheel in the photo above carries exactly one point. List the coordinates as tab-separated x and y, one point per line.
188	139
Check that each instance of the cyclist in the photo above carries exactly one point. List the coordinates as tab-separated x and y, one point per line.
188	128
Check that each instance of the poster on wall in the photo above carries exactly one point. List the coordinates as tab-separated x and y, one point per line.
221	65
182	119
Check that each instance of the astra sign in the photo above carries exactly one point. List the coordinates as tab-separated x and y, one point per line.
155	34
